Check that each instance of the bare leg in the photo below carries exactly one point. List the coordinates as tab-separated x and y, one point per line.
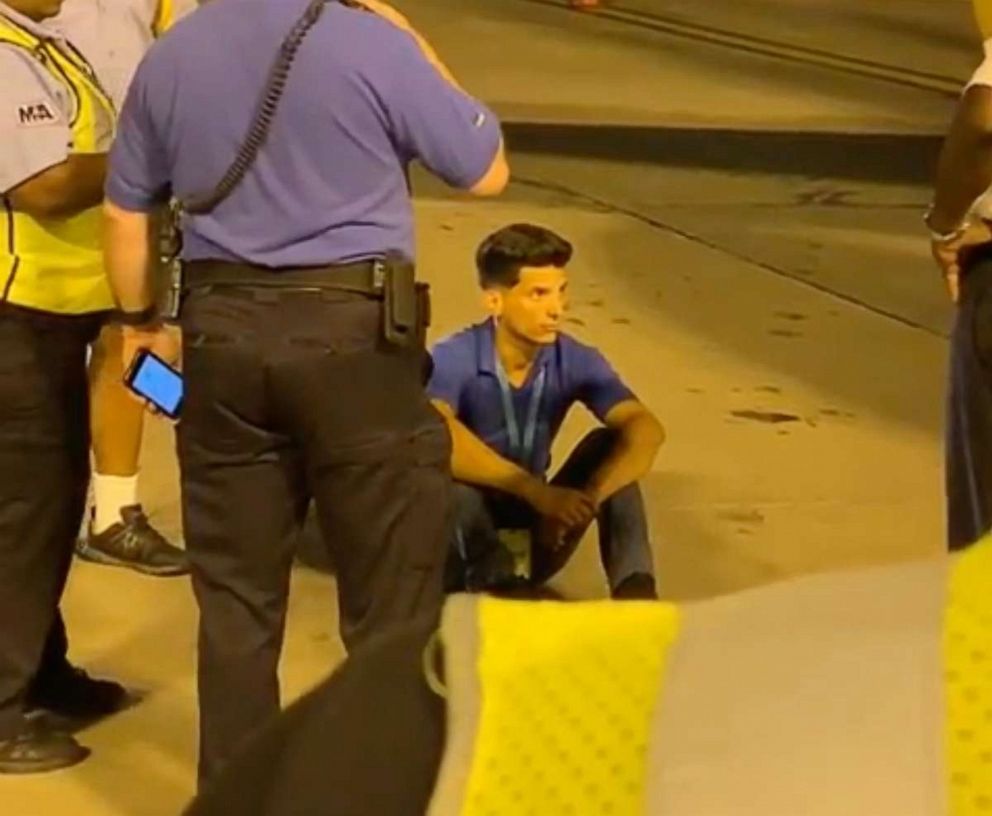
119	533
117	419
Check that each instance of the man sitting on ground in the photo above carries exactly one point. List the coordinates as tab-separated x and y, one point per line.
504	386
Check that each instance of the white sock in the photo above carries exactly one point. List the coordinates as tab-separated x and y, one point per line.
110	494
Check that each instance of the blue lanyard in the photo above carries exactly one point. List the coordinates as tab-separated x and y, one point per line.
521	448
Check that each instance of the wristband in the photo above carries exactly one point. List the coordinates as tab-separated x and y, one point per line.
944	237
146	318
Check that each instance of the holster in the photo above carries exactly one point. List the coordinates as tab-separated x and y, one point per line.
423	312
170	245
406	303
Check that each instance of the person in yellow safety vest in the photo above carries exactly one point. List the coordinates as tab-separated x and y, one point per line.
56	126
114	35
861	692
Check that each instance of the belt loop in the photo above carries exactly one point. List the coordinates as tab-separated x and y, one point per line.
378	275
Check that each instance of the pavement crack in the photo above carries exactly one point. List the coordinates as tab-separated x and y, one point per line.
943	85
655	223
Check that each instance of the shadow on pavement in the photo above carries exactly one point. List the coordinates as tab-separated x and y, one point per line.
77	725
885	157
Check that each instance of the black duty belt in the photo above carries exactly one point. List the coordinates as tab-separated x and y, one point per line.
363	277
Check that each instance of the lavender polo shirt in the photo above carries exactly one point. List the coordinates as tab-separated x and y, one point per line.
331	183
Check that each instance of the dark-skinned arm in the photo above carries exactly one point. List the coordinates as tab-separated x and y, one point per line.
63	190
964	173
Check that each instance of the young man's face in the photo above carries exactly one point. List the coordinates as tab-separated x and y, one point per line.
534	308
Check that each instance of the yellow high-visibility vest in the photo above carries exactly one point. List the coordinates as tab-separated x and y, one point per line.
164	18
56	265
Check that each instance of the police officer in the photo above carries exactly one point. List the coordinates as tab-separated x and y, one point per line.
302	354
114	35
55	128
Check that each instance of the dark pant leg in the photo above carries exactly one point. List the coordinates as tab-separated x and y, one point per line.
378	457
623	530
969	412
44	449
243	502
478	560
54	657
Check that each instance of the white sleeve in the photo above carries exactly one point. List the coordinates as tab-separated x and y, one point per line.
983	76
34	127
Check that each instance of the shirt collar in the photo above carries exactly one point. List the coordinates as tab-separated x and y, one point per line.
485	350
485	346
46	30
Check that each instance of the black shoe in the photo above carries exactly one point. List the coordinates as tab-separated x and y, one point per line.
637	587
493	571
135	544
38	749
72	694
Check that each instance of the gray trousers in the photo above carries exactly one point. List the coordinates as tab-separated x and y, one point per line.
479	561
969	409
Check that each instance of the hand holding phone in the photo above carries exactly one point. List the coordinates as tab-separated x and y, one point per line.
155	381
164	341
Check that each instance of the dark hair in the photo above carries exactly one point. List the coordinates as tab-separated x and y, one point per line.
501	256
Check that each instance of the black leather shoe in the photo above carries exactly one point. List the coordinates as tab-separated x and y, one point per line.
492	571
38	749
72	694
135	544
637	587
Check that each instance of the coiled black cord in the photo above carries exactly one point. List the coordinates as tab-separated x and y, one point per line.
259	130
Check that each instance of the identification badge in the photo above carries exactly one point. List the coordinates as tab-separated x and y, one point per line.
518	544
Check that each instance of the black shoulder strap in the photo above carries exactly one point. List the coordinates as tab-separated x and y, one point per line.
259	130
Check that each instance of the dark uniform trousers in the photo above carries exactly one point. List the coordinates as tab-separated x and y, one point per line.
292	395
44	474
969	409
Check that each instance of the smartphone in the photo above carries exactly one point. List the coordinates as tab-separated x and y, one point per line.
153	379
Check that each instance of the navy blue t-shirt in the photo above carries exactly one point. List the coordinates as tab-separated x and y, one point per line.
465	377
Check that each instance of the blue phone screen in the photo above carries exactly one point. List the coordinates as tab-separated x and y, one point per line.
159	384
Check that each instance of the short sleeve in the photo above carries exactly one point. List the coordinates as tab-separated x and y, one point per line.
138	176
983	76
453	135
597	385
34	129
451	372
